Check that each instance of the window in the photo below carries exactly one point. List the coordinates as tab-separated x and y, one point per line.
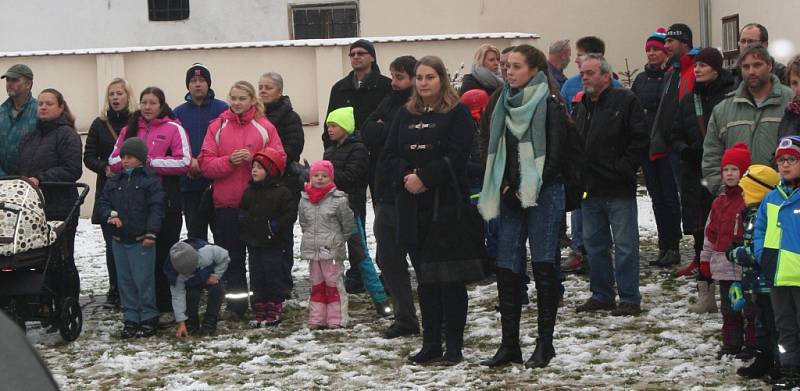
332	20
730	39
167	10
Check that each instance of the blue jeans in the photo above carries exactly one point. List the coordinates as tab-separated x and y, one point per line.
576	226
539	225
137	284
367	268
663	191
602	217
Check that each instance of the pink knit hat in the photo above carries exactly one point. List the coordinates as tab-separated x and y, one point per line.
321	165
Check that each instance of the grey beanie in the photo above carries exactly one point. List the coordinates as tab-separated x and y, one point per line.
135	147
184	258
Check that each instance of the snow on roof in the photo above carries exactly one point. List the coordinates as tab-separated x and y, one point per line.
263	44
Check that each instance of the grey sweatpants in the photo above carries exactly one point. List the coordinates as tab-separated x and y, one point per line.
786	304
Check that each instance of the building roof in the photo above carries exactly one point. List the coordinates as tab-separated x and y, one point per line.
262	44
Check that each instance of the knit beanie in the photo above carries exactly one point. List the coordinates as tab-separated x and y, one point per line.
198	69
272	161
344	118
366	45
135	147
789	145
681	32
656	40
321	165
476	100
757	182
184	258
710	56
738	155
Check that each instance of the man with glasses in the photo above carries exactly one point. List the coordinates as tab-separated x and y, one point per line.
751	34
750	115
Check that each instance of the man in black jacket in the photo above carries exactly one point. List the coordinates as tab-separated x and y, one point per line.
611	123
363	88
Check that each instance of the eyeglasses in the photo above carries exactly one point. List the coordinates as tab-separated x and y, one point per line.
790	160
353	54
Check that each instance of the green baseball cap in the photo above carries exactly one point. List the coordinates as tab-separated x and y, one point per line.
18	70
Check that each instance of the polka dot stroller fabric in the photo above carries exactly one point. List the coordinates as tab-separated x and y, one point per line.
23	226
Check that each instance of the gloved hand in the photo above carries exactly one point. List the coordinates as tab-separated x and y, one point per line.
705	269
740	255
736	295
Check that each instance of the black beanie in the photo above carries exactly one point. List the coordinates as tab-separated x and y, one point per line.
135	147
198	69
366	45
681	32
710	56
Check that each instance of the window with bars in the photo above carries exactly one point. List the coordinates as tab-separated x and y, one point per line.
167	10
730	39
331	20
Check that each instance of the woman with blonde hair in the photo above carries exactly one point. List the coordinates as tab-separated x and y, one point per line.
429	136
117	108
484	74
230	144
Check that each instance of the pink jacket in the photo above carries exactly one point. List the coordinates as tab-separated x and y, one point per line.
161	135
226	134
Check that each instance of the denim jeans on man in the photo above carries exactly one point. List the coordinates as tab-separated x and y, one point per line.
137	284
602	218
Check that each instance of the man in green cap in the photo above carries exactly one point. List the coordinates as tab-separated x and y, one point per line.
17	115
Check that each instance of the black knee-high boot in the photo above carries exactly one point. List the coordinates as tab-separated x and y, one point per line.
547	295
508	294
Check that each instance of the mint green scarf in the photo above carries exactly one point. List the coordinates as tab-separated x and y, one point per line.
524	115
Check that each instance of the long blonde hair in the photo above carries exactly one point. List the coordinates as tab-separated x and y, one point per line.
483	50
128	90
250	90
448	97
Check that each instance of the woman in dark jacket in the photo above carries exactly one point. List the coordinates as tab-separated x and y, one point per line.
688	133
523	187
790	123
287	122
99	144
484	74
52	153
431	131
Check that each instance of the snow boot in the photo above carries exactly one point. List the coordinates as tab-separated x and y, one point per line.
547	296
671	257
272	315
209	326
383	309
508	295
760	367
706	299
260	313
789	380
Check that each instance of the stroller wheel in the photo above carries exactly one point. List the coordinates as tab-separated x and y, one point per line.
70	319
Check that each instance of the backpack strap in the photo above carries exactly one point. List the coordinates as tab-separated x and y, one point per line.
111	130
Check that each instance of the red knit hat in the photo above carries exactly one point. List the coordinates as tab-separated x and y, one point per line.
272	161
476	100
738	155
321	165
788	146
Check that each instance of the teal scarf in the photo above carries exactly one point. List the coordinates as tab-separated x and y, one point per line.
524	114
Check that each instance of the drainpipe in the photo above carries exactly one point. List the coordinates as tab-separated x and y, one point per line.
705	30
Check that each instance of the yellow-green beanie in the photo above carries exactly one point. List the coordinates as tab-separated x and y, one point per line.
344	118
757	182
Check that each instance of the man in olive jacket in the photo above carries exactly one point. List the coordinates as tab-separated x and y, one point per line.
749	115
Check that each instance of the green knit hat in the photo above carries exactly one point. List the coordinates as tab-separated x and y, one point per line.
344	118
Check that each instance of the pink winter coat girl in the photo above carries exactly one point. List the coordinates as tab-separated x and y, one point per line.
161	135
226	134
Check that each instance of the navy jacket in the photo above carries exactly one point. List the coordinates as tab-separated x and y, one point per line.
195	120
138	199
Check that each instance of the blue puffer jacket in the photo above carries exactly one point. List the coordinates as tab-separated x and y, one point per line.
12	130
195	120
138	199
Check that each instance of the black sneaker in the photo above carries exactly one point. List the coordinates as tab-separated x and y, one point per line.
627	309
148	328
129	330
396	331
426	355
383	309
593	305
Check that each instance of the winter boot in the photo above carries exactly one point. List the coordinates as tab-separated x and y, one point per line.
547	296
209	326
383	309
706	299
656	261
148	328
129	329
260	313
508	294
761	366
272	315
790	378
671	257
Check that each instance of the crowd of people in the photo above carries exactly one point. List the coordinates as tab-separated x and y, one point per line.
465	182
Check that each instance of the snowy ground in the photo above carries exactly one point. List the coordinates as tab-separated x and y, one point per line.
665	348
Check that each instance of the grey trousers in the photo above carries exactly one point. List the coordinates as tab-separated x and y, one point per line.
391	258
786	305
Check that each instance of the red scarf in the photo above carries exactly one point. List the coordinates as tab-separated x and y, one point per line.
316	194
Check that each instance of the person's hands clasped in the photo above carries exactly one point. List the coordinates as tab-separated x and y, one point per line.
413	184
239	156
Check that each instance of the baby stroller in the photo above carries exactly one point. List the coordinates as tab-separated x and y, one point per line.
33	281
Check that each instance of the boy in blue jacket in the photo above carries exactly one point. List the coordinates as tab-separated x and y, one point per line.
132	202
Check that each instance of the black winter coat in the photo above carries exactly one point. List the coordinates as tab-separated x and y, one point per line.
615	138
350	166
687	141
267	213
646	86
138	199
99	145
469	82
52	153
364	100
790	124
290	129
373	135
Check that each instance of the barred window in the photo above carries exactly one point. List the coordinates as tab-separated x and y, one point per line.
167	10
730	39
331	20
